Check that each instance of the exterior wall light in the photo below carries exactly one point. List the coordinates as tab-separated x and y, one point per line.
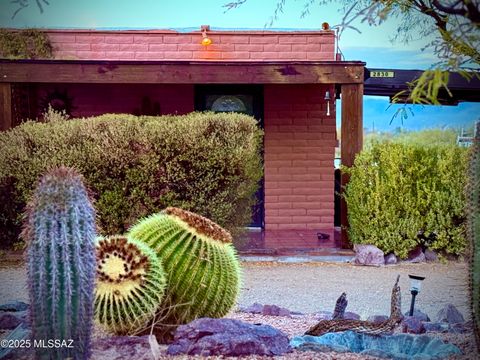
205	39
327	97
415	286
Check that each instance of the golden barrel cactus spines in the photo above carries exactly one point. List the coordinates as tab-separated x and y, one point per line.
130	284
203	270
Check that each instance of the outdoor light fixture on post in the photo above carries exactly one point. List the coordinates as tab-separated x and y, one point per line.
205	39
327	97
415	286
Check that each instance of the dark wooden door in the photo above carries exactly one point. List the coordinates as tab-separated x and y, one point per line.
246	99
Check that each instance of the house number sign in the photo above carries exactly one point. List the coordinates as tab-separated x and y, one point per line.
382	74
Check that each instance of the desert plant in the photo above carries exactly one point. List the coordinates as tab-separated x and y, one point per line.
399	190
130	284
60	233
24	44
473	231
203	271
135	166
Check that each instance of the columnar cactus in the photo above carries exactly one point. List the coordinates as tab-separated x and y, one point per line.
203	271
473	230
130	284
60	233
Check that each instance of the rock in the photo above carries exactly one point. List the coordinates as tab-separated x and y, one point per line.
459	328
390	259
17	353
412	325
10	320
416	255
419	315
368	255
323	315
398	346
450	314
255	308
121	347
228	337
322	348
377	318
274	310
431	255
351	316
436	327
14	306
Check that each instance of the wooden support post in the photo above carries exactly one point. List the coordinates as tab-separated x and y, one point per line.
5	106
351	140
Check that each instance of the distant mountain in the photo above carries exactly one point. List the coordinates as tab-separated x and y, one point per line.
378	115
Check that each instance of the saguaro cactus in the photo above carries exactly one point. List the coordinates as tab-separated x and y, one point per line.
60	233
203	271
130	284
473	230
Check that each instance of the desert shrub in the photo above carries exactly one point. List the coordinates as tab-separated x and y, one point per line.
397	190
204	162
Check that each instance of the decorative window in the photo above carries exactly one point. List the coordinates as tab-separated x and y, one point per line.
228	103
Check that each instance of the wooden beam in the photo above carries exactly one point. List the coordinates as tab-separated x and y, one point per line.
5	106
208	72
351	140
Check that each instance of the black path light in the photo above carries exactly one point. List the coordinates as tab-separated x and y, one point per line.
415	286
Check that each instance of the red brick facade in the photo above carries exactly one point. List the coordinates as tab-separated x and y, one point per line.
300	138
171	45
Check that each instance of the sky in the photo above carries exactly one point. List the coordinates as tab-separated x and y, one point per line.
373	45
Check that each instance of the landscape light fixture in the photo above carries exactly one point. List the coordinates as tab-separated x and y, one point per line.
415	286
205	39
327	97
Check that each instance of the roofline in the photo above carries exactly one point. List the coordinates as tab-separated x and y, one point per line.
183	62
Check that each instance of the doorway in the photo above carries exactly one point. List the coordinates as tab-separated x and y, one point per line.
247	99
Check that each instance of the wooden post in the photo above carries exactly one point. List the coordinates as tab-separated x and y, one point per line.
5	106
351	140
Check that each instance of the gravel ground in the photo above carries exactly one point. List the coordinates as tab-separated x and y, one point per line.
313	287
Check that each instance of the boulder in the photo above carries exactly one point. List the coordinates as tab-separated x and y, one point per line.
412	325
368	255
450	314
398	346
274	310
10	320
14	306
430	255
391	259
459	328
416	255
228	337
377	318
419	315
436	327
323	315
255	308
121	347
351	316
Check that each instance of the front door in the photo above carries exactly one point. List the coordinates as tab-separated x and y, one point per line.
247	99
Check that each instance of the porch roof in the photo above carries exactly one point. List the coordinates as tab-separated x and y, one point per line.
182	72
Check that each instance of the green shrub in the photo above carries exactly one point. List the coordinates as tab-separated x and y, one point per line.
204	162
397	190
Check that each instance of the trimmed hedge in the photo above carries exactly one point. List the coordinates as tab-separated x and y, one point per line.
203	162
397	190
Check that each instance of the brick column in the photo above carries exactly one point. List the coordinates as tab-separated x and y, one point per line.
299	174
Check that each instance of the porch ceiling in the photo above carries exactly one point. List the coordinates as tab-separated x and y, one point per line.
182	72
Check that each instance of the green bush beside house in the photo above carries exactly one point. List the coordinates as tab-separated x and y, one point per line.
204	162
397	190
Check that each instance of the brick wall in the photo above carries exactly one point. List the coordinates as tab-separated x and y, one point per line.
171	45
299	174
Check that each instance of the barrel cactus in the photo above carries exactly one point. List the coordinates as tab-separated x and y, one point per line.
130	284
473	230
202	267
60	234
